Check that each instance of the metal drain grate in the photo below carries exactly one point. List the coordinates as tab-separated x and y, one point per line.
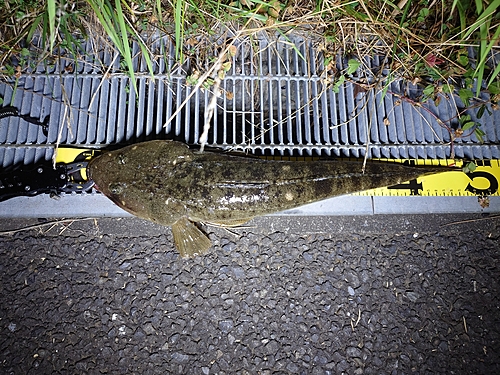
277	98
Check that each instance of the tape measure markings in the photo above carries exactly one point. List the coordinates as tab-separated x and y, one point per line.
483	181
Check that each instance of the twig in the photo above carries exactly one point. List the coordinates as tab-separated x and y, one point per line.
359	318
440	122
213	69
35	226
211	106
354	325
471	220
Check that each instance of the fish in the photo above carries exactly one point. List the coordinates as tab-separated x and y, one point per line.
170	184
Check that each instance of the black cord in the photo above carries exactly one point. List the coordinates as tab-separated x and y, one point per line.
13	111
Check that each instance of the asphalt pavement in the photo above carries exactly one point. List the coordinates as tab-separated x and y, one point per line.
282	295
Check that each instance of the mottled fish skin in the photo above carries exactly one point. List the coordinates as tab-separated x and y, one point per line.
165	181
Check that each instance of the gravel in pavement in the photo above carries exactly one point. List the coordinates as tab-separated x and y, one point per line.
113	297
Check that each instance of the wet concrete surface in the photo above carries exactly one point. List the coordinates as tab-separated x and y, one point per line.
283	295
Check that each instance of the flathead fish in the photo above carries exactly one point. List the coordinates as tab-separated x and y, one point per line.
169	184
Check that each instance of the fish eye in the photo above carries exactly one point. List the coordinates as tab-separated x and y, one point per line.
115	188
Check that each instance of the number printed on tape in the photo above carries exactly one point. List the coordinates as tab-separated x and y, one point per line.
484	181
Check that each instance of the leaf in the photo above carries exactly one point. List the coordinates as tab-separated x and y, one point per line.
179	28
192	80
468	125
465	95
337	84
424	12
353	65
484	202
51	10
327	61
209	82
454	5
482	18
226	67
495	73
294	46
469	74
464	119
494	89
274	9
358	89
349	8
147	57
126	52
33	27
481	110
479	134
479	131
429	90
470	167
447	88
232	50
463	60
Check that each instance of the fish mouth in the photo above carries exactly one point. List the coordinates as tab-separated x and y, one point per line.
96	173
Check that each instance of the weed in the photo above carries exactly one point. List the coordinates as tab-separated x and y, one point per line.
118	28
352	66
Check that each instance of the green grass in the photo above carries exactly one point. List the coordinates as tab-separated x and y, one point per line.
118	29
425	40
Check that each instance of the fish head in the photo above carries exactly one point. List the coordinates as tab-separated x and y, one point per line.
113	176
129	177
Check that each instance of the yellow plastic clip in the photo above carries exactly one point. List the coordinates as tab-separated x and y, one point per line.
68	155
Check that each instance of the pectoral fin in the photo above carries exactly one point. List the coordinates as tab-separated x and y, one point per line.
189	240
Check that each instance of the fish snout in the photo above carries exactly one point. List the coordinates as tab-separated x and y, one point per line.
100	170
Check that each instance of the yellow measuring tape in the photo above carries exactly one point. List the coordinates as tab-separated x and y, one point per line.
483	181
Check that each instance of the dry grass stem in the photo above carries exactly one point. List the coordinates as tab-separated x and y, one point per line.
52	224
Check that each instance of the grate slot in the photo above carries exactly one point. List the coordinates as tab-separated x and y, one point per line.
271	125
361	120
279	113
343	116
